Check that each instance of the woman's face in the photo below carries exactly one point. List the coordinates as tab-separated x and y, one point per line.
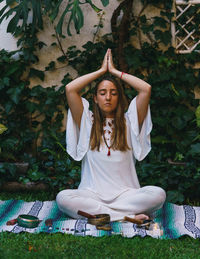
107	98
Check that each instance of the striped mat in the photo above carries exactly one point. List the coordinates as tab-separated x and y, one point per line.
174	221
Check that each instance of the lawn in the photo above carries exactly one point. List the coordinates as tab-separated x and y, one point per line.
25	245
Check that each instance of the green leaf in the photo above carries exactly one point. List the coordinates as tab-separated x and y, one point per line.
51	66
143	19
62	59
94	7
197	113
161	140
160	22
38	12
2	128
54	14
41	44
163	36
105	2
15	93
11	143
61	146
68	26
147	28
195	149
32	107
61	20
36	73
12	25
7	14
34	174
53	153
2	10
8	107
24	13
11	168
12	68
36	91
6	81
10	2
174	90
80	19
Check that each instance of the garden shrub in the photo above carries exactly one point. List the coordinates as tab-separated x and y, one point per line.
33	117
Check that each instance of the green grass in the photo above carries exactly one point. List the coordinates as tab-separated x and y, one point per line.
43	245
67	246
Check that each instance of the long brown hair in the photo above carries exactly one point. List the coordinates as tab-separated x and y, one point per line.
119	134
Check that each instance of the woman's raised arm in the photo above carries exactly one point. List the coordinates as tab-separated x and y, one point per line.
74	87
143	88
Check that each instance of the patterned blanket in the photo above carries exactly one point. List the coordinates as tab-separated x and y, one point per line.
173	221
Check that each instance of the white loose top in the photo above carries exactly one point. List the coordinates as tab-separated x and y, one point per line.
108	176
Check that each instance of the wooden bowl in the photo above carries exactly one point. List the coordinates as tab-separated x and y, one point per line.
100	219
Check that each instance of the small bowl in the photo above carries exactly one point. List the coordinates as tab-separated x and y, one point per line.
28	221
101	219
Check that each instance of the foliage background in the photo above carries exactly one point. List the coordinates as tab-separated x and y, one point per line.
33	116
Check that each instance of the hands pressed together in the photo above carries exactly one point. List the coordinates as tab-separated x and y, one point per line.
107	65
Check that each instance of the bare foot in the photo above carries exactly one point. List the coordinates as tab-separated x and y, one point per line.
141	217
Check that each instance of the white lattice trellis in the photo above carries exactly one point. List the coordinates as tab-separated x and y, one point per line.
185	27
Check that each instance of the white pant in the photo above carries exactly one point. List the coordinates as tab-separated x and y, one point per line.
131	202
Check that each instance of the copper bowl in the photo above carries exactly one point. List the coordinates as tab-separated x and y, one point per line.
100	219
28	221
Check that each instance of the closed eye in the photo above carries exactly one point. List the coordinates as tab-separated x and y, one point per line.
113	92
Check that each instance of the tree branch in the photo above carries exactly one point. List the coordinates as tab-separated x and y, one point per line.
121	33
60	45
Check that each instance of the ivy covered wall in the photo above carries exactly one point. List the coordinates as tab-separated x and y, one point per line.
32	89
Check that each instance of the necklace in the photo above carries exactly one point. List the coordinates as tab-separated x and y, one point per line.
108	124
109	147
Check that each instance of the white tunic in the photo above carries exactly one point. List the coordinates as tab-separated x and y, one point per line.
108	176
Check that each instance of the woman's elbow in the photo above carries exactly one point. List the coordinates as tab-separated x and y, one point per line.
148	88
67	88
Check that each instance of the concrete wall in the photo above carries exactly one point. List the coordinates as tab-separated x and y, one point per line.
51	53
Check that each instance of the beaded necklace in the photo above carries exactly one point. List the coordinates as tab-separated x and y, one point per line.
104	138
109	147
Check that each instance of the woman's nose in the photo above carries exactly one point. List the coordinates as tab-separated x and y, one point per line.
108	96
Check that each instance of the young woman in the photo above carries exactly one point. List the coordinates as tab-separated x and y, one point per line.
108	141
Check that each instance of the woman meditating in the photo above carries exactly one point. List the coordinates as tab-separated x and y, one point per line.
108	141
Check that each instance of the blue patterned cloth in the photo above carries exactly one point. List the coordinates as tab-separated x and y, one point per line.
173	221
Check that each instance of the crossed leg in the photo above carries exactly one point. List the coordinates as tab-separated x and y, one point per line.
139	203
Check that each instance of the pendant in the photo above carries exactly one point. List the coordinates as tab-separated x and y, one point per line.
108	151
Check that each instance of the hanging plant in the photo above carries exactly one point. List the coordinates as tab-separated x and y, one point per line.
27	12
